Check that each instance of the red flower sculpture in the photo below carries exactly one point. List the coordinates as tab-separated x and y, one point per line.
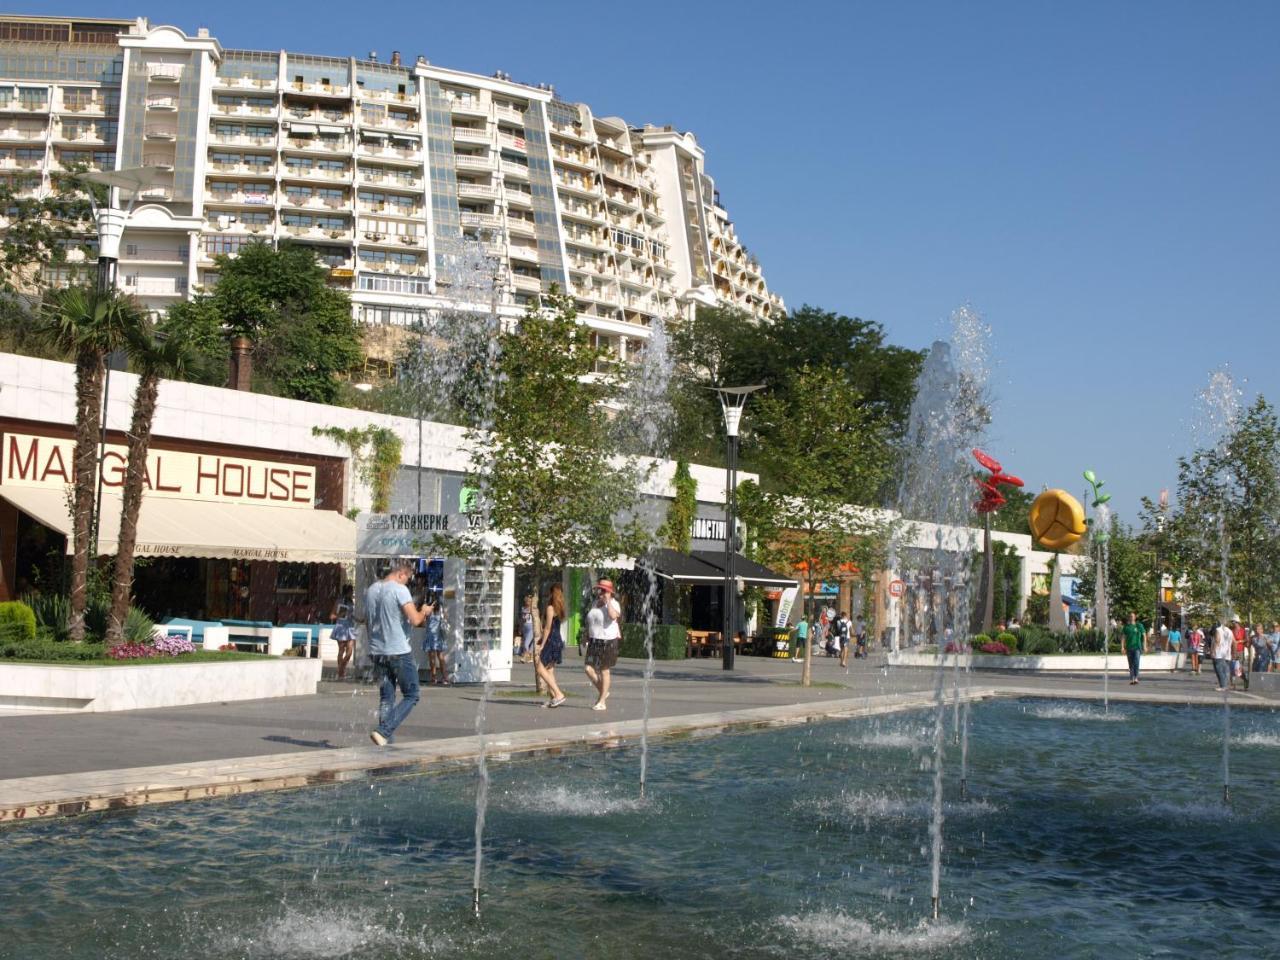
992	499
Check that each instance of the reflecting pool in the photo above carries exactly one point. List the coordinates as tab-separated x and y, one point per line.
1083	835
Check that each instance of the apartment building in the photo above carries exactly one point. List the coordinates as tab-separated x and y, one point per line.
414	184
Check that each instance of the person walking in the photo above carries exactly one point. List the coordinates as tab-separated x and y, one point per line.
391	612
603	634
527	636
433	643
802	640
1134	634
550	647
344	628
1195	646
1261	649
843	634
1273	641
860	640
1221	651
1238	671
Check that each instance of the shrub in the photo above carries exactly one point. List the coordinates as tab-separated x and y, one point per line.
42	649
131	651
980	639
995	647
669	641
51	610
138	626
1040	644
1009	640
15	611
953	647
173	645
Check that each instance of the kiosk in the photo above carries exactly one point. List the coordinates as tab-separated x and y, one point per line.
476	596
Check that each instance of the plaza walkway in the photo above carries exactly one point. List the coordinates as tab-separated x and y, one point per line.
66	764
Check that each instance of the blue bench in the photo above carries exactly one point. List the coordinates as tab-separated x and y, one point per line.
197	627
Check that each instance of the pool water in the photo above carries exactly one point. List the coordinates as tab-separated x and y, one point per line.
1082	836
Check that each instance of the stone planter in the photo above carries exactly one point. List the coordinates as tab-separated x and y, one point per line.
1052	663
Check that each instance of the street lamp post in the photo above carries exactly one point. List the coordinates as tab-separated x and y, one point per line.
732	400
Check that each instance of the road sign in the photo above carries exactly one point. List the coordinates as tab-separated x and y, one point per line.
896	587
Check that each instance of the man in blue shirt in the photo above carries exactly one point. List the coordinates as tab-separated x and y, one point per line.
390	612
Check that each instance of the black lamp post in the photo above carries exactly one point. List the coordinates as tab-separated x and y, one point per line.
732	400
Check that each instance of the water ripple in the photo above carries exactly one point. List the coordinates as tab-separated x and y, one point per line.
834	930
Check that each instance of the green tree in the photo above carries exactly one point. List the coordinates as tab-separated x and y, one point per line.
1223	540
302	333
154	355
43	227
1131	583
86	324
544	472
833	452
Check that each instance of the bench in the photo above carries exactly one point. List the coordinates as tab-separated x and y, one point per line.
704	643
208	634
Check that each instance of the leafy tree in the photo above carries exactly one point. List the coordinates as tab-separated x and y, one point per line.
1223	540
302	332
87	324
1131	583
42	228
832	452
543	471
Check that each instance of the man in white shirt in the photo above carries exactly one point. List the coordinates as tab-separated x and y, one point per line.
603	633
390	612
1221	650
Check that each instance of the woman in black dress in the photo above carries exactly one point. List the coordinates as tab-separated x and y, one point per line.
551	646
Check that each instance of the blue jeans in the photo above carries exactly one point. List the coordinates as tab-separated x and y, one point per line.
1135	657
1223	670
391	672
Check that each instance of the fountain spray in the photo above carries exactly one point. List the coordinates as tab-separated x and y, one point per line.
1100	527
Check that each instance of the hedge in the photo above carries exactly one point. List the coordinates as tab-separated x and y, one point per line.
669	641
17	612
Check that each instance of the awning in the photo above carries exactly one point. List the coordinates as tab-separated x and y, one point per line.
171	527
752	573
679	567
310	129
707	567
373	135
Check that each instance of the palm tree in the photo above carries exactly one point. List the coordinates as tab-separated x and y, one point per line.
87	324
154	356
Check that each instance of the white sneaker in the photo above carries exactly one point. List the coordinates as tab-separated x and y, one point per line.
378	738
599	706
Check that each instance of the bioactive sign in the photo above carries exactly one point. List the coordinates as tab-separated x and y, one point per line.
27	460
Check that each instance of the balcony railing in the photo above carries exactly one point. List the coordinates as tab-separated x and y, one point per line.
468	106
17	105
158	254
164	72
464	162
479	190
515	169
157	286
163	103
18	133
324	89
469	135
160	133
250	83
84	106
157	161
478	219
374	175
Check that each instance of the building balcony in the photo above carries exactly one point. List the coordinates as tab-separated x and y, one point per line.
523	282
156	286
578	133
302	232
315	173
384	151
162	103
513	169
418	269
523	251
394	210
133	253
468	135
482	221
241	110
242	198
73	136
510	114
520	228
164	72
577	185
17	105
479	191
156	194
296	202
26	134
396	180
469	107
317	145
390	96
91	106
20	163
512	143
574	159
465	162
589	240
518	198
244	83
218	167
318	89
158	161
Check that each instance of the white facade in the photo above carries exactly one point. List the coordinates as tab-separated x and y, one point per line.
384	168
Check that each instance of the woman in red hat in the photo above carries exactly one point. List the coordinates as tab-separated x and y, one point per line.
603	633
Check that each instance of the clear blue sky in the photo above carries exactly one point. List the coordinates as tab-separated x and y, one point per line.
1097	179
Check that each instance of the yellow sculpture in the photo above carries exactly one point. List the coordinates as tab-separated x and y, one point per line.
1057	519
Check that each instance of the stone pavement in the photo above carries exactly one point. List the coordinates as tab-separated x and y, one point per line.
64	764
